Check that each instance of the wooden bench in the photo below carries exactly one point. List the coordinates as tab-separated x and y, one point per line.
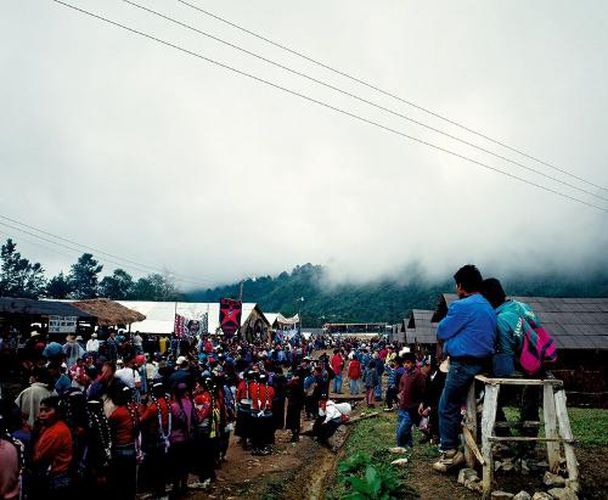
555	418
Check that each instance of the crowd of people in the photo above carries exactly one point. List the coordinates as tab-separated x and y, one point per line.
108	418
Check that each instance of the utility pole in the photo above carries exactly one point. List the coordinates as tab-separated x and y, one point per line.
300	300
241	292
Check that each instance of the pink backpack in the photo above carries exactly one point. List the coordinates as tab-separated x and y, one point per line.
538	348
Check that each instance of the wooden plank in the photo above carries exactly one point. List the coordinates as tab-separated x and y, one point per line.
565	432
487	430
518	381
530	439
470	424
526	424
471	445
550	419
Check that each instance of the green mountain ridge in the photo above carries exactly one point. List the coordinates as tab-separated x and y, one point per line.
388	300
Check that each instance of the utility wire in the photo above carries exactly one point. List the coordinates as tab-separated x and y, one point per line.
77	248
361	99
86	247
389	94
37	243
25	231
324	104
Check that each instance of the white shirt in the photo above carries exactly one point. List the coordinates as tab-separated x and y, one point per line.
129	376
92	345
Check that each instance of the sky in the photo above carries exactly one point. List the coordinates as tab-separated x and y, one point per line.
150	154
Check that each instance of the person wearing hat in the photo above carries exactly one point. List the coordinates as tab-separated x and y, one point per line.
262	434
156	421
124	424
208	410
182	374
92	344
412	387
72	350
243	409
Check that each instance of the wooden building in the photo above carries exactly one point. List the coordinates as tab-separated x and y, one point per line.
54	317
580	329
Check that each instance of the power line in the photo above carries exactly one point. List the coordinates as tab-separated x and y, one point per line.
361	99
324	104
389	94
77	248
86	247
37	243
143	267
25	231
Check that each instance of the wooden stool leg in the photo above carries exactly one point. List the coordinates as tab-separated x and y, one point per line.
471	424
488	420
550	419
566	434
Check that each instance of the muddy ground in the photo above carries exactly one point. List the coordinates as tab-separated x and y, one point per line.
304	470
294	470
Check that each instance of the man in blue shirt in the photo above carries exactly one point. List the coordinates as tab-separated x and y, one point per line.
468	334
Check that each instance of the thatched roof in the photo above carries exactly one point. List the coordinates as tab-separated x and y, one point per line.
108	312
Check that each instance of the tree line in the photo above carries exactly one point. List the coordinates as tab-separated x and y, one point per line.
19	277
390	299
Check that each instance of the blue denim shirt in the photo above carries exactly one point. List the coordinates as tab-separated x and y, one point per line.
469	329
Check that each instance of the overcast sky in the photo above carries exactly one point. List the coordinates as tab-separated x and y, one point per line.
117	142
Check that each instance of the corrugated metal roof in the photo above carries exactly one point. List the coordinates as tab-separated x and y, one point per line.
420	329
575	323
31	307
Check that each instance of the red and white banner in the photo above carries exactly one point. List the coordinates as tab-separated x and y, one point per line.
179	327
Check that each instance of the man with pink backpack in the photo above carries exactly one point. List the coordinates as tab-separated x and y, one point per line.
522	344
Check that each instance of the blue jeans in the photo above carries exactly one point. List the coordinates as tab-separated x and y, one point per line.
338	383
454	394
404	428
378	389
354	387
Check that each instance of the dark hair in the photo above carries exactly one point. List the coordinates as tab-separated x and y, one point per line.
51	402
409	356
469	278
493	291
41	375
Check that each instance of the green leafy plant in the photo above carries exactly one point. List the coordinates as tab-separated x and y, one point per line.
354	463
377	483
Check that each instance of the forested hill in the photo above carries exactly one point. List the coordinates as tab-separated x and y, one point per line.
383	300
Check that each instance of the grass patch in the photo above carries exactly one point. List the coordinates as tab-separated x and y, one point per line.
364	470
589	425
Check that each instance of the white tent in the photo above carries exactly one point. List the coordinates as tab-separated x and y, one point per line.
160	316
271	317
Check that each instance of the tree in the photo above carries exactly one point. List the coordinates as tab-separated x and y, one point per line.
59	287
155	287
19	277
118	286
83	277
